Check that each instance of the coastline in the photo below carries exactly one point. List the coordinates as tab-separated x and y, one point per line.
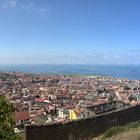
131	72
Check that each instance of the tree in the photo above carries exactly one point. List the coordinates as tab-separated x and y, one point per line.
127	88
110	99
100	91
132	97
6	121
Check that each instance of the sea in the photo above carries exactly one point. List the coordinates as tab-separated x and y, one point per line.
131	72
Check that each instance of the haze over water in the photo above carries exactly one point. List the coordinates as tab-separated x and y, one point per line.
123	71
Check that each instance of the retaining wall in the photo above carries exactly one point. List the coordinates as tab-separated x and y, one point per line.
83	129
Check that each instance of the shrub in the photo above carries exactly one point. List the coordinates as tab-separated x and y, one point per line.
6	121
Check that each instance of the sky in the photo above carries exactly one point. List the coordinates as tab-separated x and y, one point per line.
70	31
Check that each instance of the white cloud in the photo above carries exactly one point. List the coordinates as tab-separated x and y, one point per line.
104	56
43	10
27	5
94	58
9	3
117	56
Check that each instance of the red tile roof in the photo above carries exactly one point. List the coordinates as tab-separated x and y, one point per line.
19	116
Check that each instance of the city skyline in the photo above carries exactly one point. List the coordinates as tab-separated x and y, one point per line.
68	32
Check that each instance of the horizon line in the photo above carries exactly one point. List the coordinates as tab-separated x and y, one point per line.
103	64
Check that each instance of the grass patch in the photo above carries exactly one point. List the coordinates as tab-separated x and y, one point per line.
113	131
133	125
120	129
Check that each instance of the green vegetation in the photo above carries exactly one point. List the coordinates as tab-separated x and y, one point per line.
113	131
127	88
132	97
100	91
120	129
42	119
6	121
110	99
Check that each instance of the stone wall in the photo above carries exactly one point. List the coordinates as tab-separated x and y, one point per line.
83	129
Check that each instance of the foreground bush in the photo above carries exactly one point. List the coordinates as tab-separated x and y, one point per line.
6	121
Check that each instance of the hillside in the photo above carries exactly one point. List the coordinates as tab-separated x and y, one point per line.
127	132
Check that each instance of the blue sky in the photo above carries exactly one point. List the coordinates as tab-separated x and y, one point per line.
70	31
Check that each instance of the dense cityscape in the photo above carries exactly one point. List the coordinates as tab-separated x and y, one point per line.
69	70
44	99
